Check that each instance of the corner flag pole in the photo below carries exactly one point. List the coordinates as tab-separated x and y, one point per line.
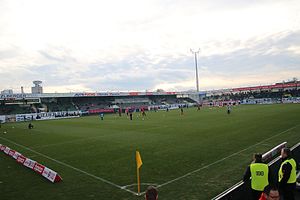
138	180
138	165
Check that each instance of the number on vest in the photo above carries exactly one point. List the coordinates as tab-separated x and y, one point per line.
259	173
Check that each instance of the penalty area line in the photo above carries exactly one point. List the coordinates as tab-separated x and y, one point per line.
225	158
70	166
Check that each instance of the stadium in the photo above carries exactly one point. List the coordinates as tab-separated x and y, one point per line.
203	147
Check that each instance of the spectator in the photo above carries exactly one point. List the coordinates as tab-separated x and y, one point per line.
151	193
287	175
260	175
270	193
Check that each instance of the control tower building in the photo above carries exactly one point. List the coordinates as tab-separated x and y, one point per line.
37	88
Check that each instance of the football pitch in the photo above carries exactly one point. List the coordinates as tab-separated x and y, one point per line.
192	156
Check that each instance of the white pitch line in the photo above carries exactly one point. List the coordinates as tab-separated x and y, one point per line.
142	193
134	184
70	166
218	161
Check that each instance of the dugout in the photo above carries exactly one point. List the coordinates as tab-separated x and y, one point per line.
242	190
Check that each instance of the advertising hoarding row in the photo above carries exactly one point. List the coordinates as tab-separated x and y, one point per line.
44	171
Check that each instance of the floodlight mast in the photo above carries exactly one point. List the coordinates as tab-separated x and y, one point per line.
197	80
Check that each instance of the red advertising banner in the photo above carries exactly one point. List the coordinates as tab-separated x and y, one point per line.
11	153
35	166
171	92
38	168
21	159
267	87
51	175
6	150
29	163
16	155
133	93
255	88
277	86
102	111
2	147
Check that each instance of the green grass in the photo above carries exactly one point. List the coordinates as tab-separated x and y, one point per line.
171	146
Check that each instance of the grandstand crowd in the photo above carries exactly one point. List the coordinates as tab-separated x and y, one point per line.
91	103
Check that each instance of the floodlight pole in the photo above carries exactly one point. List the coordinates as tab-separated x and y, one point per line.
197	81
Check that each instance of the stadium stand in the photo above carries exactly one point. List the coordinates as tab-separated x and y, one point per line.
57	104
16	109
288	92
91	103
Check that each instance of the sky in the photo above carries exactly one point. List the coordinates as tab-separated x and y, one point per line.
145	45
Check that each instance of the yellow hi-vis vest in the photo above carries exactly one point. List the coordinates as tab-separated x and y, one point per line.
293	175
259	176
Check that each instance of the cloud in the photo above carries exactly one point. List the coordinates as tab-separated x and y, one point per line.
95	45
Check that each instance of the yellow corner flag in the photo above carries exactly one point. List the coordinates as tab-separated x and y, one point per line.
138	159
138	165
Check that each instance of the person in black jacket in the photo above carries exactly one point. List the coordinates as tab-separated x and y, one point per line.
287	175
151	193
30	126
260	176
130	114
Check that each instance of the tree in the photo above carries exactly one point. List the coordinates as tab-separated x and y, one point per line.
295	79
160	90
